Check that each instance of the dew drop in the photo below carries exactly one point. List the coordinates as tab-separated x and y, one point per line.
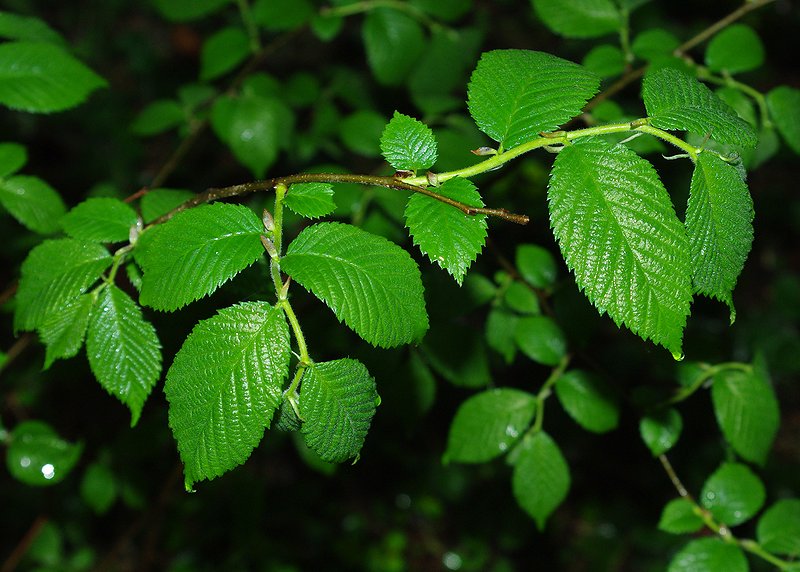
48	471
25	462
452	561
246	135
512	431
502	446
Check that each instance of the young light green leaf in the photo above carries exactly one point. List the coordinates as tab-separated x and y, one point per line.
779	528
660	430
394	41
17	27
709	555
783	103
13	157
500	327
588	400
186	10
54	273
43	78
733	494
311	200
579	18
445	234
159	116
675	100
540	338
747	412
536	265
222	52
371	284
488	424
38	456
337	403
540	480
123	349
407	143
735	49
679	517
605	60
64	330
32	202
617	230
196	252
225	385
100	220
159	202
513	95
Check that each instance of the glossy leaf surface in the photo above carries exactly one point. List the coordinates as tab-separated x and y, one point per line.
100	220
32	202
38	456
408	144
311	200
733	494
540	478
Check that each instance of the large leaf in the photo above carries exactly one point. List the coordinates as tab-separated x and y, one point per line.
38	456
123	349
17	27
337	403
540	480
733	494
32	202
224	386
515	94
65	328
54	273
100	220
719	224
779	528
675	100
735	49
42	78
407	143
579	18
618	231
783	103
709	555
448	236
394	41
371	284
196	252
488	424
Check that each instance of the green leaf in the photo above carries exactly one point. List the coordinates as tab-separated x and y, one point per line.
660	430
588	400
43	78
310	200
513	95
488	424
719	224
540	338
540	480
536	265
617	230
337	403
159	202
783	103
679	517
159	116
64	330
446	235
223	51
520	298
100	220
32	202
654	44
579	18
278	15
500	327
779	528
123	349
17	27
447	10
361	131
733	494
747	412
735	49
605	60
407	143
709	555
458	354
54	273
186	10
675	100
38	456
13	157
394	41
98	488
371	284
224	386
196	252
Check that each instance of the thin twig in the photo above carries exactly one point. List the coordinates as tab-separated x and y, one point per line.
673	476
24	544
16	349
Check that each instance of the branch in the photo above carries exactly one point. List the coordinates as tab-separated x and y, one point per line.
24	544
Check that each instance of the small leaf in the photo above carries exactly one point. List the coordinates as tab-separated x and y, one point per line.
709	555
13	157
100	220
660	430
735	49
337	403
43	78
679	517
674	100
64	330
458	354
605	60
186	10
783	103
579	18
733	494
520	298
488	424
654	44
747	412
196	252
38	456
98	488
159	116
445	234
515	94
361	132
371	284
540	480
618	231
536	265
779	528
540	338
500	327
278	15
394	41
409	144
123	349
32	202
588	400
159	202
222	52
54	273
311	200
225	385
